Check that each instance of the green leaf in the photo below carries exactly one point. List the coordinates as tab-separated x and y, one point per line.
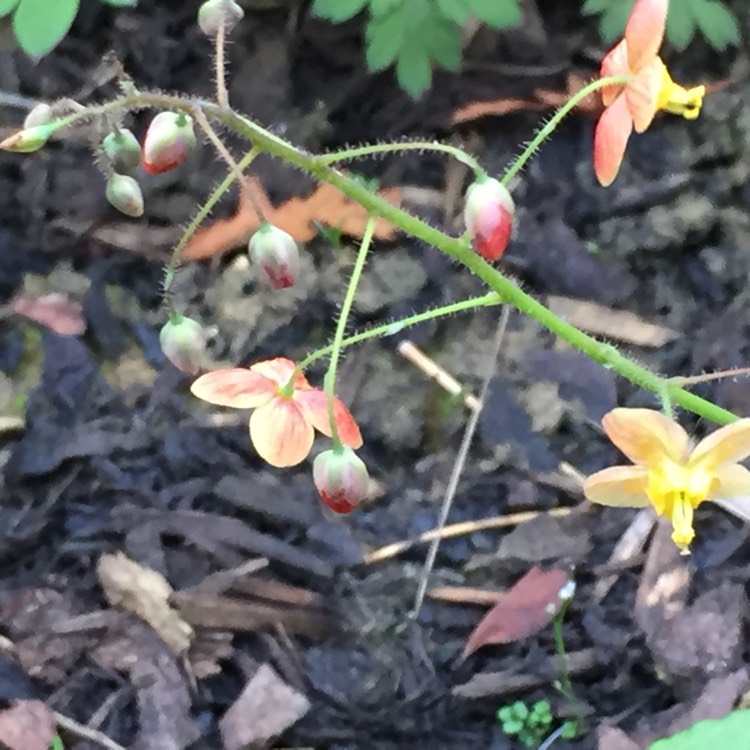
717	23
337	10
454	10
443	45
613	20
413	70
381	7
122	3
500	14
40	25
385	37
595	7
680	27
6	6
729	733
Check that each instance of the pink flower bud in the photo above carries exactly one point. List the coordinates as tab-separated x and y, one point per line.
169	140
277	254
215	12
341	479
125	195
183	342
123	150
489	217
39	115
29	139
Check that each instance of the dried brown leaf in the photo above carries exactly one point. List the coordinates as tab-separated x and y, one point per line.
525	608
29	725
54	311
144	592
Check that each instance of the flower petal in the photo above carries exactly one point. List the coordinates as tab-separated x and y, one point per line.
314	404
727	445
280	433
644	31
623	486
642	94
234	386
732	481
646	435
615	63
280	370
610	140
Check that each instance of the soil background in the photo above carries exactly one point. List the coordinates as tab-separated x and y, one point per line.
104	450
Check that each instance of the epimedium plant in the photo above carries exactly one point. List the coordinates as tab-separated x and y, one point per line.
287	411
40	25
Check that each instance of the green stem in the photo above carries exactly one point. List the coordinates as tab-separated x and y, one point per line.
387	148
458	249
330	379
556	119
388	329
566	686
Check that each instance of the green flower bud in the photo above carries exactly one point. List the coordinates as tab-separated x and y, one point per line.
213	13
125	195
123	150
183	342
39	115
276	252
28	140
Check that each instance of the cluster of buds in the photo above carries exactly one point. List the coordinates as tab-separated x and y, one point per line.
488	214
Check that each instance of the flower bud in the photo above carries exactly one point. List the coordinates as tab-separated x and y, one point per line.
183	342
277	254
169	140
489	217
125	195
215	12
341	479
29	139
123	150
39	115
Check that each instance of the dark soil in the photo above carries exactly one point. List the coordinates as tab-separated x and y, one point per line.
115	455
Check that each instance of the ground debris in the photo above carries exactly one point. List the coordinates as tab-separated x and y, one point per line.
28	725
143	591
264	709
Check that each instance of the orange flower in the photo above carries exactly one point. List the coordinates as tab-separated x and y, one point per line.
650	88
670	473
286	411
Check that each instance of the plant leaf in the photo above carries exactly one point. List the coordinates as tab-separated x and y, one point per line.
386	35
728	733
717	24
527	607
121	3
500	14
681	27
381	7
456	11
413	70
40	25
338	10
6	6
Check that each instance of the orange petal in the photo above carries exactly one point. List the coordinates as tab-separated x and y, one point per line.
610	140
642	94
646	435
727	445
644	31
314	404
234	386
622	486
280	370
615	63
733	481
280	433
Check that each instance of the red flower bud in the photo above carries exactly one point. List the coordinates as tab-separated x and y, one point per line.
125	195
277	254
123	150
489	217
169	139
341	479
183	342
215	12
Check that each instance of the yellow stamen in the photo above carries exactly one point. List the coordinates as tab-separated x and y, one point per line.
678	100
682	523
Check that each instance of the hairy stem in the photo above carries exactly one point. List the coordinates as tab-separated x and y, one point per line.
222	96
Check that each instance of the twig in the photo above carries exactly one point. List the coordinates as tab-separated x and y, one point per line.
458	466
81	730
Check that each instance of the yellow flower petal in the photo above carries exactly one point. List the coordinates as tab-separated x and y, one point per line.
623	486
731	480
727	445
280	433
645	435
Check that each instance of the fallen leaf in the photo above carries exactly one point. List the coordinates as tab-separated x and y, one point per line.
29	725
613	738
54	311
145	593
526	607
325	205
264	709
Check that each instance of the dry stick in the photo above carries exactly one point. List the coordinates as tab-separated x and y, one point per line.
81	730
463	452
223	151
